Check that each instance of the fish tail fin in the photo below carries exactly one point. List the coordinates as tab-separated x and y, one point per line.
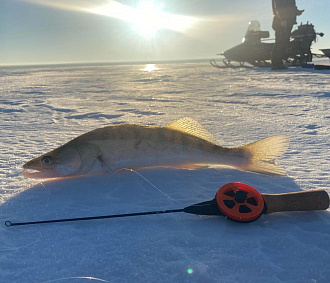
263	153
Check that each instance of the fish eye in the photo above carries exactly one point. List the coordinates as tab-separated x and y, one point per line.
47	160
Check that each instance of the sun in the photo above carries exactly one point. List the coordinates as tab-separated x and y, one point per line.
148	18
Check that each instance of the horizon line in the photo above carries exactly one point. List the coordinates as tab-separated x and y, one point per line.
142	62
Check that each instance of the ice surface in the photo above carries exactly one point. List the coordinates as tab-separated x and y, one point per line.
42	108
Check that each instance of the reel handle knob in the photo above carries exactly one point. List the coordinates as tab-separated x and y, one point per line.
296	201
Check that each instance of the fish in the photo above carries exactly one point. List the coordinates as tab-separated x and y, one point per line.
183	143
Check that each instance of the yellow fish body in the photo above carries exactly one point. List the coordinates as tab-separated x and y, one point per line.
182	143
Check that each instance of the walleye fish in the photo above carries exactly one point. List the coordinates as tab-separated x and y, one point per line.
182	144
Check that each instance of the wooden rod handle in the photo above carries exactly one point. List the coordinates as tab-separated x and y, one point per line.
296	201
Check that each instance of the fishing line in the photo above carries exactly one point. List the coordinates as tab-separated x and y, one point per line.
140	175
145	179
76	277
48	193
24	246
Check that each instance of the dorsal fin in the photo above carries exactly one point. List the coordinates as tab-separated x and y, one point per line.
192	127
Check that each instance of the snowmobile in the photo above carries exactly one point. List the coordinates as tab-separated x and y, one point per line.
255	51
326	52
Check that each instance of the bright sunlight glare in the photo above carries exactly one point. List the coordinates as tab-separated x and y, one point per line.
146	18
150	68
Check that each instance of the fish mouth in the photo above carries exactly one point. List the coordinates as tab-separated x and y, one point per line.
38	173
35	174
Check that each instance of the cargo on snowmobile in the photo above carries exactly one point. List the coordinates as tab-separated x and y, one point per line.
255	51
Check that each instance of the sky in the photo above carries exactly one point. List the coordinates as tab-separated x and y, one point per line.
78	31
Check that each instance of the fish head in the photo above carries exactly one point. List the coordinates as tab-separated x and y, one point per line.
61	162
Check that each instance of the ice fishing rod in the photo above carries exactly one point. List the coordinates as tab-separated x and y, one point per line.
236	201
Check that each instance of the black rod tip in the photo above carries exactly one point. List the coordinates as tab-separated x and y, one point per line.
8	223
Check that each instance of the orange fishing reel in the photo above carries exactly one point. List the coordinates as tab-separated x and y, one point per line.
240	202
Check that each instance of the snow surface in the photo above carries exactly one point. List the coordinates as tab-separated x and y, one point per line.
44	107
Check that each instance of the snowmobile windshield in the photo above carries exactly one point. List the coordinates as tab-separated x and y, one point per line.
254	33
253	26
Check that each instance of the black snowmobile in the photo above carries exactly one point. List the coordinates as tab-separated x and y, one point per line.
255	51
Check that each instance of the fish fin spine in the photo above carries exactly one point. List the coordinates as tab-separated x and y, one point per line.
192	127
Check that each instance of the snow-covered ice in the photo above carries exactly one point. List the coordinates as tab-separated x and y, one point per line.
44	107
